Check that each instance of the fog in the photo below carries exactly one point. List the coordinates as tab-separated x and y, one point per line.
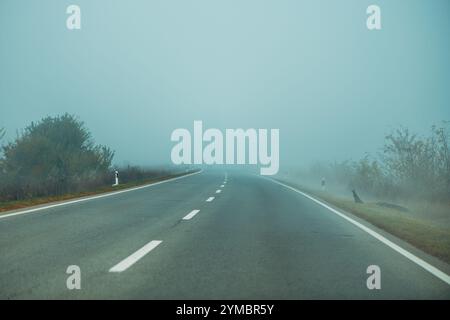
138	70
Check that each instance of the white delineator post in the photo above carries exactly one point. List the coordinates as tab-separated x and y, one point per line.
116	175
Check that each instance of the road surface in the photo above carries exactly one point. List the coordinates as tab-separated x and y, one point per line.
202	237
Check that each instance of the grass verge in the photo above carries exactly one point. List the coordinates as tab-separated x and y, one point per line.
19	204
432	239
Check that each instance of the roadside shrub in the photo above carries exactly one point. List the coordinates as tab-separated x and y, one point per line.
409	167
54	156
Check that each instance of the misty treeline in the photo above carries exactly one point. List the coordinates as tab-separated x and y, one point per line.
56	156
408	166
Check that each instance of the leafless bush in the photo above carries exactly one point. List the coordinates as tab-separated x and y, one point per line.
409	167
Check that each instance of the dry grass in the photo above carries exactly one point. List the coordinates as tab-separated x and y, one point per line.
19	204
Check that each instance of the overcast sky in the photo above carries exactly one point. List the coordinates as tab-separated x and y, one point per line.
137	70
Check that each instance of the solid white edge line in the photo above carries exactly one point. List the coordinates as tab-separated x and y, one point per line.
425	265
135	257
191	214
113	193
210	199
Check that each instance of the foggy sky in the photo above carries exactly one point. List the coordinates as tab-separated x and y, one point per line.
137	70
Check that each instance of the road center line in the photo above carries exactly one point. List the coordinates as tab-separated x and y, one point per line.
222	186
210	199
218	191
132	259
425	265
191	214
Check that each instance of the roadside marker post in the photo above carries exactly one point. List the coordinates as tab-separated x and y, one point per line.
116	175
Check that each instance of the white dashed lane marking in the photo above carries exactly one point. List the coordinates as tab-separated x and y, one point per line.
135	257
191	214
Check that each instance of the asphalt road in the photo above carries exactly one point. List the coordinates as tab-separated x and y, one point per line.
255	240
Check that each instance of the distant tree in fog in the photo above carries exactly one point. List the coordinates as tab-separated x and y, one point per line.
419	165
